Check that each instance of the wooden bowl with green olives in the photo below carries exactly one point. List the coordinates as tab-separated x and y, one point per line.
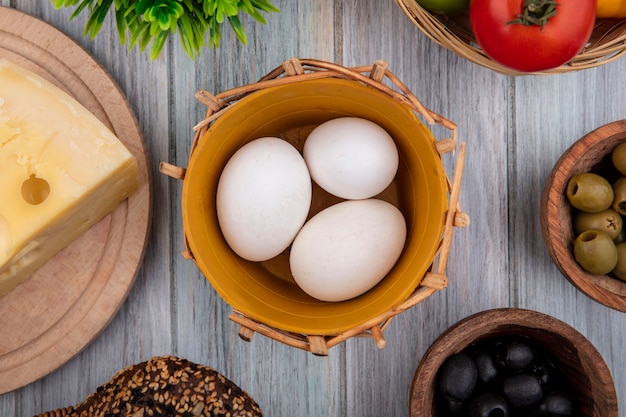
508	362
575	221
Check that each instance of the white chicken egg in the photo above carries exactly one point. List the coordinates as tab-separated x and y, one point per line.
263	198
347	248
351	157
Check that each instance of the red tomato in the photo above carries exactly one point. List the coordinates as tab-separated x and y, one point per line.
531	47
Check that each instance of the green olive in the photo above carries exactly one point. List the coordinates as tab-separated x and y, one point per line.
620	269
589	192
621	237
618	157
619	196
595	252
607	220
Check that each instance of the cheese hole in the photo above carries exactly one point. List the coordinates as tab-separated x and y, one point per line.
35	190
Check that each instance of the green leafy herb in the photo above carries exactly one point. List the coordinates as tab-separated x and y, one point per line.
151	22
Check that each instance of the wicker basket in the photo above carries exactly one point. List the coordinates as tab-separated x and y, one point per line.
607	43
377	77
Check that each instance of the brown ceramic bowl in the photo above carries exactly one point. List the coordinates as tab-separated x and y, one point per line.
591	153
574	356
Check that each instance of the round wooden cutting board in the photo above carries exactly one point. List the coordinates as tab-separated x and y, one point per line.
53	315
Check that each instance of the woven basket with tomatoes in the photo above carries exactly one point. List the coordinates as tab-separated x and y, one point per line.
525	36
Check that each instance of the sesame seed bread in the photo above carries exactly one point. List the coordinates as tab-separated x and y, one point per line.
165	386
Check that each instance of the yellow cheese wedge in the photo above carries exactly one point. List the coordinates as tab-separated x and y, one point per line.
61	172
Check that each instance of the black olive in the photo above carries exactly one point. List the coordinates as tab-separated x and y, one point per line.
546	372
514	354
457	377
451	408
488	404
522	390
556	404
485	364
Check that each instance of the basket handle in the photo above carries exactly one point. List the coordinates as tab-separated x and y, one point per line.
173	171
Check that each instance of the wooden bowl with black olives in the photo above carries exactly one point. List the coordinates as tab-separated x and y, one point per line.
583	213
512	362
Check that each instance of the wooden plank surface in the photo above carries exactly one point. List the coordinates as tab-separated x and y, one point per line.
515	129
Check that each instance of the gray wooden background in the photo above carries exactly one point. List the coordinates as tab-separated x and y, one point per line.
515	129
